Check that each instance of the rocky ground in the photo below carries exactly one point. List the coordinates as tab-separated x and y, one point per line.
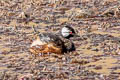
97	52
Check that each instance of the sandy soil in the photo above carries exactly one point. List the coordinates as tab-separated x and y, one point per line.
97	52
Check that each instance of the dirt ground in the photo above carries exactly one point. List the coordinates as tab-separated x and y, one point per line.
97	52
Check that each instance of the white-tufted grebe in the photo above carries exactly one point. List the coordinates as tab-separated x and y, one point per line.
54	43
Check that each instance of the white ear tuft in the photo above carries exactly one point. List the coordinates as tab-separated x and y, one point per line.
65	32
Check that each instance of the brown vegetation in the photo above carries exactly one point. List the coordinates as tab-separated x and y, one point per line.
97	49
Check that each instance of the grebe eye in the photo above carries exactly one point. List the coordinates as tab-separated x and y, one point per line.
70	32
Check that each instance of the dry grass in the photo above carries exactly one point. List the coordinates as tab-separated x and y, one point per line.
97	50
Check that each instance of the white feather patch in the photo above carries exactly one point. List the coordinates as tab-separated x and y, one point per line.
65	32
37	42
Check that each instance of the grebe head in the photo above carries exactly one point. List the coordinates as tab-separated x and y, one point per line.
68	32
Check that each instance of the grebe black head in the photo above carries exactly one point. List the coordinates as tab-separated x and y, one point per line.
68	32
